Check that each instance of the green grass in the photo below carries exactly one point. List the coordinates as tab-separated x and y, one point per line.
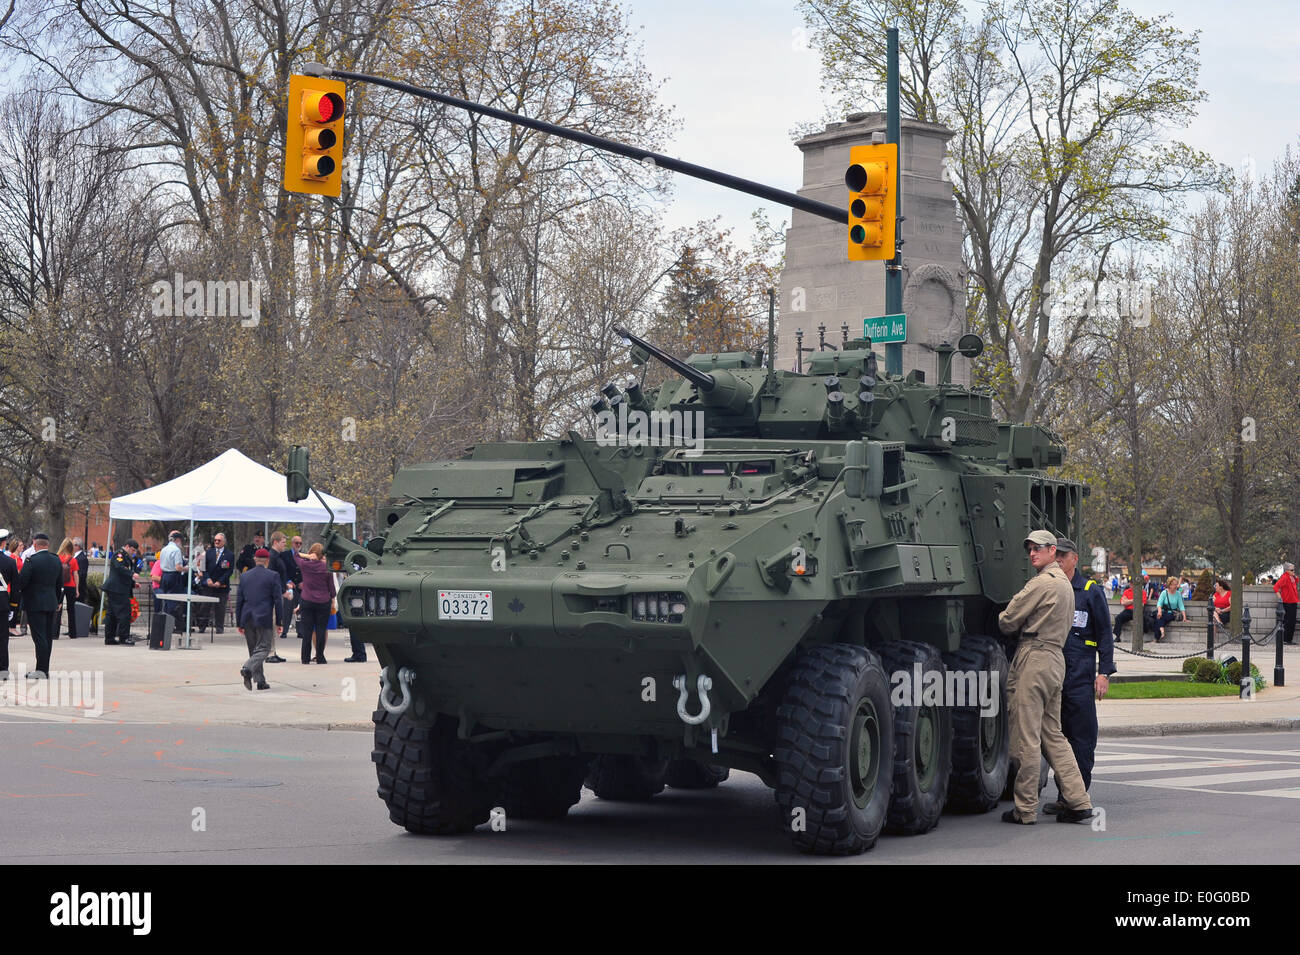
1167	690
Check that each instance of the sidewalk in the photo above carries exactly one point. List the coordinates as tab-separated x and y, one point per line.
1272	708
203	686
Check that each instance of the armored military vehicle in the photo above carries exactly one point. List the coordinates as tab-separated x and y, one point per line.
792	575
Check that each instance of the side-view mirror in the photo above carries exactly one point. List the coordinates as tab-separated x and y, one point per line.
864	474
296	482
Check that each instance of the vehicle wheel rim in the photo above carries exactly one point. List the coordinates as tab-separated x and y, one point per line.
927	740
990	737
864	753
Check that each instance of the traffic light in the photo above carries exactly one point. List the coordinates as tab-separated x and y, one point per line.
313	141
873	201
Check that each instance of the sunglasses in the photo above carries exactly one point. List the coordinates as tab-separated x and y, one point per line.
1034	548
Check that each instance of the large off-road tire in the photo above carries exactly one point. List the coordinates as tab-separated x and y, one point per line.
922	742
833	748
692	774
432	782
543	788
981	745
624	778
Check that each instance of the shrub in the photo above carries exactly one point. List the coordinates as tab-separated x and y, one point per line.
1207	671
1189	665
1204	587
1232	672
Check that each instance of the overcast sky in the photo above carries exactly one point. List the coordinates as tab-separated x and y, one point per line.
740	78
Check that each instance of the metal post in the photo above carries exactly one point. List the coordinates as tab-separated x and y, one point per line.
1245	651
189	588
894	268
1279	671
798	350
771	341
1209	631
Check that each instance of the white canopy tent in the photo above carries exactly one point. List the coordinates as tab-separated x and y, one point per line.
230	487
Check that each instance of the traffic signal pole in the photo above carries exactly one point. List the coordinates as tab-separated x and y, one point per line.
894	268
793	200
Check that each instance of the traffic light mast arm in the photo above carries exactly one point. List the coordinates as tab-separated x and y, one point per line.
794	201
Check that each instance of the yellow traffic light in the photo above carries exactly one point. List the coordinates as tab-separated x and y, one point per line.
873	201
313	141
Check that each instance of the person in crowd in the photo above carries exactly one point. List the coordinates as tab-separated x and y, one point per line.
1285	588
295	549
41	582
258	612
69	592
316	601
245	561
1221	603
83	568
8	600
282	561
218	565
173	563
1126	614
358	645
1041	615
1169	608
1153	588
118	586
1089	641
16	614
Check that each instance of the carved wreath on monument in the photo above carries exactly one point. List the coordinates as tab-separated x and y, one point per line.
935	303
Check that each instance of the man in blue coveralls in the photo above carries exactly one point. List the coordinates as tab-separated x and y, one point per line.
1089	636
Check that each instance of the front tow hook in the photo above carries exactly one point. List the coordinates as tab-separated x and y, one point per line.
405	677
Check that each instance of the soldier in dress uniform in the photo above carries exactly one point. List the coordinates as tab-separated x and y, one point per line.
117	593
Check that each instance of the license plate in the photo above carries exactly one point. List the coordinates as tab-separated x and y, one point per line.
464	605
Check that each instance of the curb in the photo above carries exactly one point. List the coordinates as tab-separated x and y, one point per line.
1281	723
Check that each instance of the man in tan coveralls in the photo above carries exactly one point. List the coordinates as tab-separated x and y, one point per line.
1042	613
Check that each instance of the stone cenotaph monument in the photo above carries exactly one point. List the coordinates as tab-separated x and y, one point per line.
820	286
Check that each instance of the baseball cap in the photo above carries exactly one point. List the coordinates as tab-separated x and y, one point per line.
1066	546
262	553
1041	537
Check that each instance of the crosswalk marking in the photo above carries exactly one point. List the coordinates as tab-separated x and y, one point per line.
1204	749
1177	782
1292	793
1191	764
1191	768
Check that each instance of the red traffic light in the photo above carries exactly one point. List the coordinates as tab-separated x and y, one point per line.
318	107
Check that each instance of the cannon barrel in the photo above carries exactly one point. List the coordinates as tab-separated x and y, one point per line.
702	380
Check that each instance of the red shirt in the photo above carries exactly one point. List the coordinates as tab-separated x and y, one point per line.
70	571
1128	597
1223	601
1286	589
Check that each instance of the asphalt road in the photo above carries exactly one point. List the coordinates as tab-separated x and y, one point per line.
91	792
